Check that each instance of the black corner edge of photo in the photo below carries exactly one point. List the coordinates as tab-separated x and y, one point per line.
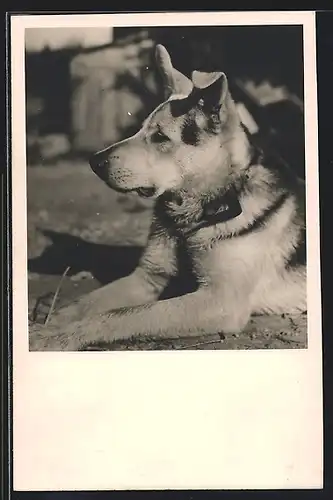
324	36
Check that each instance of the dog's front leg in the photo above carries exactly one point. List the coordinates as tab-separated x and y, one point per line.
190	315
144	285
131	290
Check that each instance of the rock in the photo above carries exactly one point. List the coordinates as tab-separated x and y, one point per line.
82	275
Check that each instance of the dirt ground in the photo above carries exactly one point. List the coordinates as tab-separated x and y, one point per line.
76	222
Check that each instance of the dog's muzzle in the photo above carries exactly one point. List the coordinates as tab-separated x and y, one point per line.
100	165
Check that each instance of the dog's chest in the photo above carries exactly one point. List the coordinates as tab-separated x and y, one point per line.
202	252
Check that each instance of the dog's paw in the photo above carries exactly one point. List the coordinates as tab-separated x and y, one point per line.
51	338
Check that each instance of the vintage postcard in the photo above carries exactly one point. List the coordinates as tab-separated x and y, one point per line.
166	259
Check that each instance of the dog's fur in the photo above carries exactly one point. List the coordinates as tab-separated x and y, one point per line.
238	216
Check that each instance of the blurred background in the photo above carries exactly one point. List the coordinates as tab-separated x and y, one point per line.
89	87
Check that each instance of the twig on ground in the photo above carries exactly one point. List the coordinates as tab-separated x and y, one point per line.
206	342
56	296
199	344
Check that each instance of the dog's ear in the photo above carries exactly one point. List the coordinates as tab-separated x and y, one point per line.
212	89
174	81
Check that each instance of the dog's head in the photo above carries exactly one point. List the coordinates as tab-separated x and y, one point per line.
192	140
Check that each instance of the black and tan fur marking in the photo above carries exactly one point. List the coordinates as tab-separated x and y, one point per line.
237	215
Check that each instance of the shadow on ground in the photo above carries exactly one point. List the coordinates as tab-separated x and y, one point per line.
105	263
100	264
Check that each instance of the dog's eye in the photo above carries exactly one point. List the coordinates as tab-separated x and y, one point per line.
159	137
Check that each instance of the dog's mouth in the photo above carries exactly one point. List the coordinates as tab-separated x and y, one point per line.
146	192
143	192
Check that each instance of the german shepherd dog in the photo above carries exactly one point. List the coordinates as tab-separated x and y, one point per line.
238	216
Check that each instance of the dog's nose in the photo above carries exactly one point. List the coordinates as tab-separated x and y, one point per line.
97	162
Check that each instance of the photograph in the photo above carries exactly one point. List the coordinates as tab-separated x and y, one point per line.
166	188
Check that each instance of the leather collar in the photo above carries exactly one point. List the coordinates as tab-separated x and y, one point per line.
221	209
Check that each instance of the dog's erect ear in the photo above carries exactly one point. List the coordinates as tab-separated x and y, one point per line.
174	81
212	87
